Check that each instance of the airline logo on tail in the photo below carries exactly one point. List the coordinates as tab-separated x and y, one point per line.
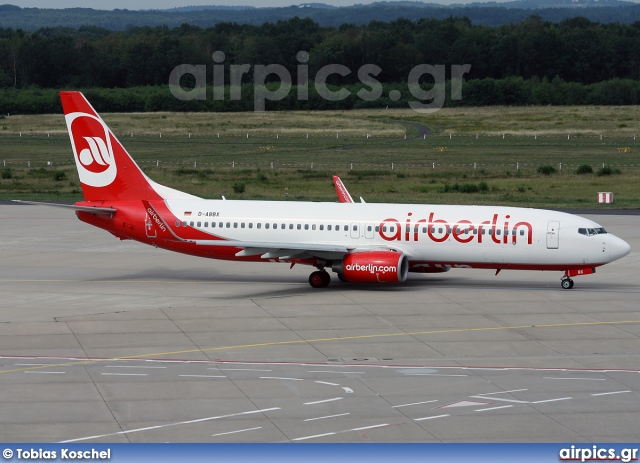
92	149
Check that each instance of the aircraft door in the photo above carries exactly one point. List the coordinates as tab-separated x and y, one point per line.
553	235
355	230
368	231
150	227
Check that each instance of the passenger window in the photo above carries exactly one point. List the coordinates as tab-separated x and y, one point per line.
483	231
384	229
290	226
377	228
199	224
369	228
242	225
213	225
283	226
313	227
206	225
521	232
490	231
424	229
221	225
346	228
235	224
259	225
440	230
306	226
299	227
329	227
448	230
266	225
250	224
228	224
475	231
178	223
498	231
321	227
355	227
191	224
184	224
275	226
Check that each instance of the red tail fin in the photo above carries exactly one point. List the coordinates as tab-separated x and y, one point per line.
107	172
341	191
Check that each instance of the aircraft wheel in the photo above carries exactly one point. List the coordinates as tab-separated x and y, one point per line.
567	283
319	279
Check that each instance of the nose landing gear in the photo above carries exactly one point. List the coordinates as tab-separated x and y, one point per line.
566	283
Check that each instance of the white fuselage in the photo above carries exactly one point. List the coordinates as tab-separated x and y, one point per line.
436	234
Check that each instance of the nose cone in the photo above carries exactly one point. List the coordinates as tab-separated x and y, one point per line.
618	248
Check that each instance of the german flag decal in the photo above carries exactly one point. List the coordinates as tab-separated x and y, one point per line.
187	214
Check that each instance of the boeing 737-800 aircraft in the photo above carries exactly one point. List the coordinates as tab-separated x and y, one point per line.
361	242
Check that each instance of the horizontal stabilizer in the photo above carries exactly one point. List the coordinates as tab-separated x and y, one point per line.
92	209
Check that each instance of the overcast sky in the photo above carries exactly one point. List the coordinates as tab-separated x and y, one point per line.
163	4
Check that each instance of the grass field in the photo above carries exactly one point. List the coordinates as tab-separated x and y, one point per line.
472	156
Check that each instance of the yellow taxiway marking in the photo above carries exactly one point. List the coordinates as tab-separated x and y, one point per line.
311	341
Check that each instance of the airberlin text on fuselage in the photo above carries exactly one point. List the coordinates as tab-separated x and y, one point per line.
156	219
463	231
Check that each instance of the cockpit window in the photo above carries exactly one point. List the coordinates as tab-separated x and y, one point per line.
591	231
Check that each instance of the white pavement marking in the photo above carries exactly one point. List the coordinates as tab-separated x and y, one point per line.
348	390
431	374
323	401
504	392
234	432
201	376
430	417
328	384
46	372
500	399
551	400
276	377
341	432
131	366
493	408
415	403
370	427
313	437
124	374
580	379
325	417
341	372
609	393
200	420
238	369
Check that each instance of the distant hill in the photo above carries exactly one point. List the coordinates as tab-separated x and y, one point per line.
184	9
492	14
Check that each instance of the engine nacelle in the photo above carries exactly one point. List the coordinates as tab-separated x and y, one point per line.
374	267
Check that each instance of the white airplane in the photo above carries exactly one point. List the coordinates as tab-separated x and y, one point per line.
362	243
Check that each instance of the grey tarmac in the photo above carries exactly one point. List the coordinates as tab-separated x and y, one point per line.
110	341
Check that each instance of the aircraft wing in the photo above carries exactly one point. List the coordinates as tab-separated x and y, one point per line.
268	249
92	209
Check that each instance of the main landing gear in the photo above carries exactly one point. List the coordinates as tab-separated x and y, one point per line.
566	283
319	279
